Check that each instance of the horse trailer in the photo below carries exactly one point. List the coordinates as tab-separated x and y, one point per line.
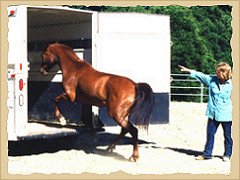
134	45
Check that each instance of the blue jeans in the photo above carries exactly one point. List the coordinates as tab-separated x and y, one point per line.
211	130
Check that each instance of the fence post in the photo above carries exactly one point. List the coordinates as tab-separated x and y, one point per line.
201	96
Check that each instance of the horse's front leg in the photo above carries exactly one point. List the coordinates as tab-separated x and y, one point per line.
57	113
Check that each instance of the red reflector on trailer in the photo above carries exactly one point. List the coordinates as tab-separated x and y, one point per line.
21	84
12	12
12	75
20	66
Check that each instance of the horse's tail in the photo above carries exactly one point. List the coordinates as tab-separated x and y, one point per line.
142	108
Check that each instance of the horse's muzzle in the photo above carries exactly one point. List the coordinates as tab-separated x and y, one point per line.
43	71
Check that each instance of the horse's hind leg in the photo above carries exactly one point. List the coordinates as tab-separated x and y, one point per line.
134	133
117	139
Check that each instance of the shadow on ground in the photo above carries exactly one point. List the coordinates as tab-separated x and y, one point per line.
190	152
186	151
86	141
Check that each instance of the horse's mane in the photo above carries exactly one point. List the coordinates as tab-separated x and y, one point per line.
66	47
70	51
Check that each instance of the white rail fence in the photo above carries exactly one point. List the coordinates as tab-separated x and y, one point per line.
180	83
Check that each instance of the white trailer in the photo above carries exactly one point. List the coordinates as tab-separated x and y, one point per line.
130	44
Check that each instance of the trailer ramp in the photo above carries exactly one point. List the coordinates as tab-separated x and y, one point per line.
35	130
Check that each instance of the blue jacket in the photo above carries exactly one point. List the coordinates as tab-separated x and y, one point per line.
219	101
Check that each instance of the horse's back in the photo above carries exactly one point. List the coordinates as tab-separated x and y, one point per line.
121	84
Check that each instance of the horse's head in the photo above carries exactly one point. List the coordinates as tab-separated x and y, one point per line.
48	61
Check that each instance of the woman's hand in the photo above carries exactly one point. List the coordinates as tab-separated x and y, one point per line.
184	69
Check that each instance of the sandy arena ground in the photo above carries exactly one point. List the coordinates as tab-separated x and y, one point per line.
166	149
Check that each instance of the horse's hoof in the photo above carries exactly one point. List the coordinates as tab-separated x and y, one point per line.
110	149
133	158
63	121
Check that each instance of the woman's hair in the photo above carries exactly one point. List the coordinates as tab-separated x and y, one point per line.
225	71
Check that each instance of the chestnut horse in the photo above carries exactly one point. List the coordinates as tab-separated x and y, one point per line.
127	102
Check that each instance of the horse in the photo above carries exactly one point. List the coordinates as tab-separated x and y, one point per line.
127	102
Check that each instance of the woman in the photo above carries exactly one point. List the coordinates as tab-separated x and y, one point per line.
219	108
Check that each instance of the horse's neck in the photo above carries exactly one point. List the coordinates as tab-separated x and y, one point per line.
68	62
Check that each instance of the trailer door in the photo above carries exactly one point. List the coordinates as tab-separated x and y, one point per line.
137	46
18	71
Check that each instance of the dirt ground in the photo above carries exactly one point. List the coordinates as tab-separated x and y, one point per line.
165	149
